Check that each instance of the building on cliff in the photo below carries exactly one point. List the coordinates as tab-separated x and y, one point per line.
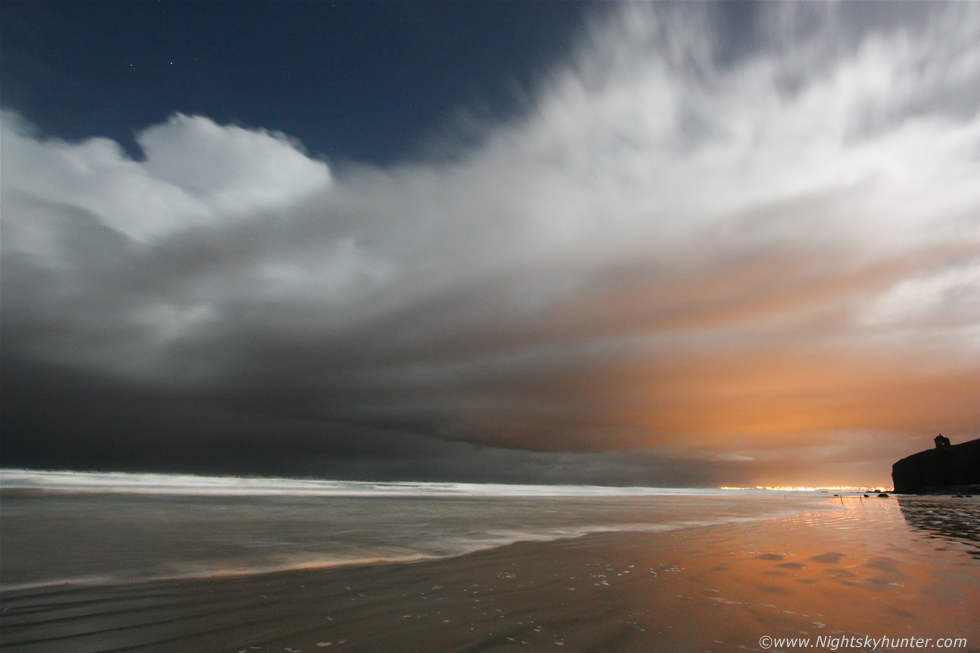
947	468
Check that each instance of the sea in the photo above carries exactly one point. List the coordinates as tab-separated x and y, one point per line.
98	528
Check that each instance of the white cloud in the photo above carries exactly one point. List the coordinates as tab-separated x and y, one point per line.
946	304
230	168
196	173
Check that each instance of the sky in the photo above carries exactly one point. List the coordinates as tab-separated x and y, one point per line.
670	244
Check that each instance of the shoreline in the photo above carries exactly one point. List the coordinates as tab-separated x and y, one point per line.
375	561
335	563
716	588
121	538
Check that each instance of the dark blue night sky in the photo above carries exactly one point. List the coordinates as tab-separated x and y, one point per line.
351	80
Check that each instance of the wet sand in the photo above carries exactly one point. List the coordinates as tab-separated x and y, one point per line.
861	570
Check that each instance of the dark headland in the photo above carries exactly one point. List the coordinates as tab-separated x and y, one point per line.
946	469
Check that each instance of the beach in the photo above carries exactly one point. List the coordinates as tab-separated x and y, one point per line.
837	568
468	326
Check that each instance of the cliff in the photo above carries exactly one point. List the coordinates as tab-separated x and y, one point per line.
943	469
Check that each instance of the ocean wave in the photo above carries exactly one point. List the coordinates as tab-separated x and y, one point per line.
146	483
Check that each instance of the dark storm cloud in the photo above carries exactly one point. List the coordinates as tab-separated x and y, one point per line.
695	260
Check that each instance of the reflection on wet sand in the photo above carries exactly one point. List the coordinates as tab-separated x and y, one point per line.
853	567
955	519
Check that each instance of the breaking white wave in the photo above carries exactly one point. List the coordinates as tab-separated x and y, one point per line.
261	486
80	527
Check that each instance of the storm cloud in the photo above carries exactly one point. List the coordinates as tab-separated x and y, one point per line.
708	251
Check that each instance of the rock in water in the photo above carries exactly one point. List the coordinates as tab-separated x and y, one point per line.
946	468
